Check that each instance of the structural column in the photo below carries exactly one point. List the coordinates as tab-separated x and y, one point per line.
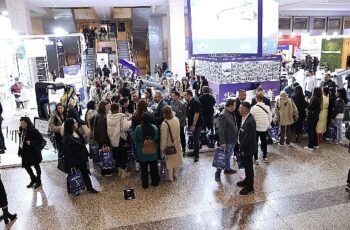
155	38
176	45
19	15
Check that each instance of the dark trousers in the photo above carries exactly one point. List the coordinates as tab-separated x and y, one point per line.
154	173
183	139
31	173
19	103
263	144
285	132
3	196
2	139
196	135
120	154
237	154
208	122
311	131
247	161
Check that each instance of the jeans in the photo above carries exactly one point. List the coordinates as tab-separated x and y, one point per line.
2	139
263	145
196	135
338	123
228	153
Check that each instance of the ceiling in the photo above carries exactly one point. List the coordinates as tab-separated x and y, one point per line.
94	3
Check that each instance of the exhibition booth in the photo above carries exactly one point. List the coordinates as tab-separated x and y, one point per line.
234	56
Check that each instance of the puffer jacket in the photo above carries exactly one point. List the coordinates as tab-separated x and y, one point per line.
262	118
117	127
286	110
339	107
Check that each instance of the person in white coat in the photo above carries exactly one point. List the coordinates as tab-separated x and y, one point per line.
117	127
263	118
175	160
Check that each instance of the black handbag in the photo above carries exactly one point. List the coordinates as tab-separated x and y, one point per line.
61	164
170	150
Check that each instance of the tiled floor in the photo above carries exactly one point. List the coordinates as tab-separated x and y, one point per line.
296	190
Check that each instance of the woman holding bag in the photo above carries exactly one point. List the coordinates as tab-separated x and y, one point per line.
30	146
170	137
75	153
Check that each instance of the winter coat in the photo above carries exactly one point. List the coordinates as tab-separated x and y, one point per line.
117	127
139	143
31	154
74	151
84	131
89	120
100	129
208	103
322	120
286	110
180	111
55	122
228	131
175	160
339	107
262	115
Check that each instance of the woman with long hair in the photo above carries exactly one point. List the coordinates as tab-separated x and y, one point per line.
171	124
30	146
322	122
185	86
338	112
149	132
313	113
149	96
75	153
137	117
100	125
299	100
177	86
56	121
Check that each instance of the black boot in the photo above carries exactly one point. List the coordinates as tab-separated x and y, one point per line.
8	216
32	182
37	182
92	190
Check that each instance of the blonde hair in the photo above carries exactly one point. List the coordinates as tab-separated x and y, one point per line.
259	97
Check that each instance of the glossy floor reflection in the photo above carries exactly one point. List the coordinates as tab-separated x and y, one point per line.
296	190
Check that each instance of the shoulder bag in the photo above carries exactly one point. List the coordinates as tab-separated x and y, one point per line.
170	150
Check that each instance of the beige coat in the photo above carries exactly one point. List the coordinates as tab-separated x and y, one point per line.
175	160
286	110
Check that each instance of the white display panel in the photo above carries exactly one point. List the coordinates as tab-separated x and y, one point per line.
270	26
35	47
224	26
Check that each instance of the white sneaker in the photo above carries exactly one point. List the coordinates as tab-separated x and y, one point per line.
265	160
256	162
137	166
307	148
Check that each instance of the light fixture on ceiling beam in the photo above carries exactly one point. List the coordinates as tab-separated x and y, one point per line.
4	13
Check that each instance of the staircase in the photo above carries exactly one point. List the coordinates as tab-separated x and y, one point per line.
90	63
123	53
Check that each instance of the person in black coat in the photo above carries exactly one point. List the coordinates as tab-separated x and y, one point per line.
299	100
242	95
3	205
246	134
30	146
314	110
106	71
208	102
100	125
2	139
74	152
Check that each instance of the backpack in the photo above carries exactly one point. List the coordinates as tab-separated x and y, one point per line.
148	147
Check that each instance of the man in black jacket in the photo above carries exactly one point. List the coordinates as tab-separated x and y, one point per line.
208	102
242	95
248	146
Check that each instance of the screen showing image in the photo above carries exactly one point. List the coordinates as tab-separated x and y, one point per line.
270	26
224	27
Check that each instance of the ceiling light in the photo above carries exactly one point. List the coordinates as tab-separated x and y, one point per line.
60	31
4	13
335	33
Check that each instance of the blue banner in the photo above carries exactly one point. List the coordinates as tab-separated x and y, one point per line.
71	70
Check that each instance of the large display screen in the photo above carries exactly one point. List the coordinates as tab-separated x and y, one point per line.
270	26
224	27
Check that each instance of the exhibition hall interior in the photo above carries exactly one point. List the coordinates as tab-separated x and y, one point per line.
175	114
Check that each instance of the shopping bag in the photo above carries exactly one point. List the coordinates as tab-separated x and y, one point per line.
106	159
190	140
94	153
272	135
219	158
332	131
163	170
75	182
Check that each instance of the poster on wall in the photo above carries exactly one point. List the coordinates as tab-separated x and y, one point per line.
311	45
212	30
238	72
270	26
